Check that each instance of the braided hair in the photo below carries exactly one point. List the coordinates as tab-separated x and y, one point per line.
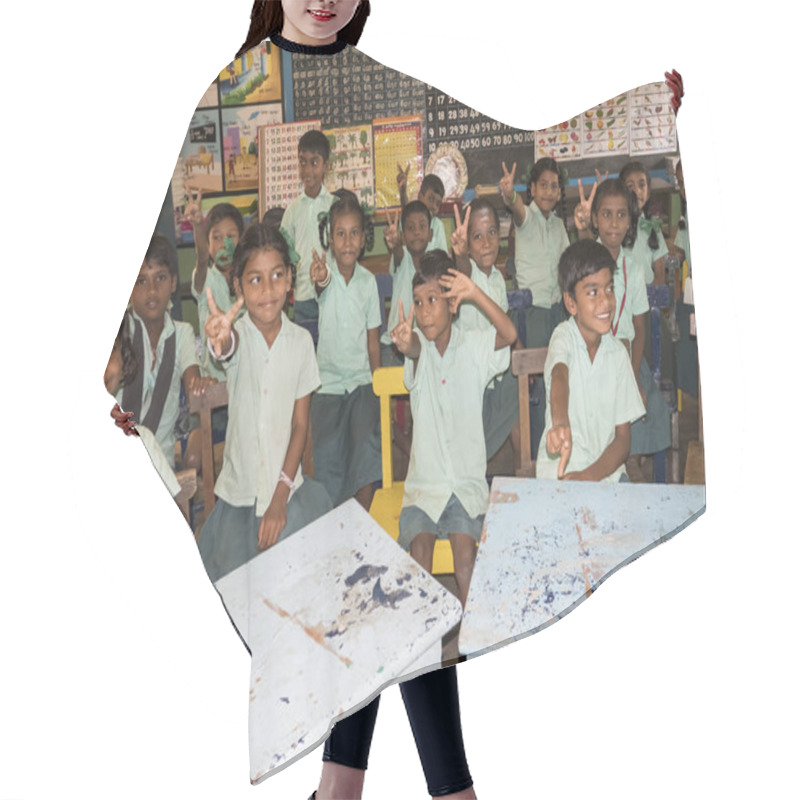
632	168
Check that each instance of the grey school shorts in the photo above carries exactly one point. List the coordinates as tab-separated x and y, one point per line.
454	519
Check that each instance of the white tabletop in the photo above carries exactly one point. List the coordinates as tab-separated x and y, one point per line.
331	615
547	545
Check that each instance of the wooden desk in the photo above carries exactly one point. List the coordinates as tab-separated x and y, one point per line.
331	616
547	545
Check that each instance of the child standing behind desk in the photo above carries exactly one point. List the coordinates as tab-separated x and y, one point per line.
300	225
431	193
446	371
591	392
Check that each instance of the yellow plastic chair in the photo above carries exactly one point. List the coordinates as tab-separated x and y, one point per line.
387	382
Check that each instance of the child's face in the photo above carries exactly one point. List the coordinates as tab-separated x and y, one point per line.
546	192
319	20
312	167
433	200
265	283
593	305
484	239
612	221
222	240
432	310
347	239
152	291
417	233
637	183
113	373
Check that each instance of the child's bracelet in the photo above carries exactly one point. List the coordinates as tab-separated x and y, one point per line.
326	280
284	478
227	355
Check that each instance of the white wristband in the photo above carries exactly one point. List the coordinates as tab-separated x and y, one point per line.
326	280
227	355
284	478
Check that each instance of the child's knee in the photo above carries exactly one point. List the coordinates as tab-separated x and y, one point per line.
422	549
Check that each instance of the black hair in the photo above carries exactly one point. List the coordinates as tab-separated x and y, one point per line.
580	260
130	363
315	142
415	207
539	168
434	182
266	19
347	203
432	266
483	204
223	211
632	168
274	216
260	236
614	187
161	251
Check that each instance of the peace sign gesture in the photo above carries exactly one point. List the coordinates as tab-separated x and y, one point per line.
507	184
219	326
583	211
403	333
318	271
391	234
193	213
402	176
460	236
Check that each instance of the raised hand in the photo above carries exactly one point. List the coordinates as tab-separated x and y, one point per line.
675	83
318	271
559	440
583	211
458	287
219	326
124	420
460	237
402	176
403	333
391	234
507	184
600	178
193	213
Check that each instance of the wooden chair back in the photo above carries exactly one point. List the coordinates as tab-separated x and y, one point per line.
524	364
215	396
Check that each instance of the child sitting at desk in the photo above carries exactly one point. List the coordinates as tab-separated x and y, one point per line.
447	370
592	396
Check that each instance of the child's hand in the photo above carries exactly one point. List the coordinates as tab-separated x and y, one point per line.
559	440
402	176
193	213
583	211
460	237
642	393
199	383
459	288
402	335
218	325
272	523
391	234
124	420
507	184
318	271
600	178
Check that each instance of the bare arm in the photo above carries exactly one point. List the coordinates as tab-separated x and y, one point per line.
374	348
512	200
460	242
637	349
612	457
559	437
194	214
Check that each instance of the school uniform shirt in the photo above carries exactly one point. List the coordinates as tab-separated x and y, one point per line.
346	312
300	228
682	241
540	243
263	384
631	293
641	247
220	291
439	239
470	317
402	290
448	454
185	357
602	395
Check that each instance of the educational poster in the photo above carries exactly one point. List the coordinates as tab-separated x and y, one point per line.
183	229
398	140
240	142
652	120
201	155
279	179
253	77
350	166
210	98
246	203
606	128
564	141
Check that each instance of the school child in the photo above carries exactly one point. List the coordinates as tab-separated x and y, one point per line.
476	244
447	370
649	247
613	221
406	246
591	391
165	350
431	193
262	495
300	225
345	414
